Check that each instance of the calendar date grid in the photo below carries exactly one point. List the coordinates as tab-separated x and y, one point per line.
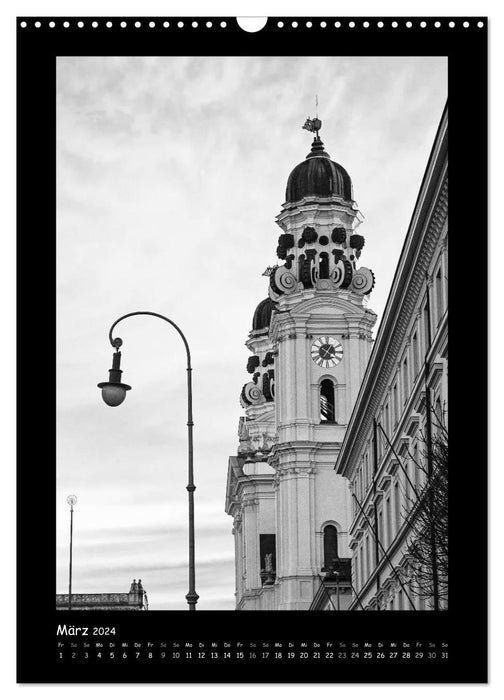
261	651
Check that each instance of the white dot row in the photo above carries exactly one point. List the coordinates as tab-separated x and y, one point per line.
380	24
123	24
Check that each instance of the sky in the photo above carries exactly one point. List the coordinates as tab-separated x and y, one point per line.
170	172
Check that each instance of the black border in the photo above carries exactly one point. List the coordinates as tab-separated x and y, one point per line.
464	626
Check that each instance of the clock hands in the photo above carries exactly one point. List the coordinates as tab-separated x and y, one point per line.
327	353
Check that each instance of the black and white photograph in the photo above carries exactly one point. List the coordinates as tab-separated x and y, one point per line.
296	257
250	458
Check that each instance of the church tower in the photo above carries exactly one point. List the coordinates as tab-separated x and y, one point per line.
311	340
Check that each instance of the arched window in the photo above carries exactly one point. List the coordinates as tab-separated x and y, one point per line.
330	547
324	266
327	410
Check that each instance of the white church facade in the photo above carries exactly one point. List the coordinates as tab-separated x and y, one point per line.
310	344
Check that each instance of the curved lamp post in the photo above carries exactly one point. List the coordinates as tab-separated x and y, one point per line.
114	393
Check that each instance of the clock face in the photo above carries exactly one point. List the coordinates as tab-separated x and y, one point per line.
326	351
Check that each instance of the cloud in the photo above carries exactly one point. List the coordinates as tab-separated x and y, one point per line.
170	174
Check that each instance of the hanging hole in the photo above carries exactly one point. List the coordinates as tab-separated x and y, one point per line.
252	24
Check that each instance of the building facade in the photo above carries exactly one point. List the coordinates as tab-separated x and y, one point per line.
310	343
135	599
399	423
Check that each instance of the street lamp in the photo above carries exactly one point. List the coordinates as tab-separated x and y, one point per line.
71	500
114	393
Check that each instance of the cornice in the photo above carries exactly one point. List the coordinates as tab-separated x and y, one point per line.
392	333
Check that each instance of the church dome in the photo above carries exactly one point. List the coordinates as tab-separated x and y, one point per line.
318	175
262	315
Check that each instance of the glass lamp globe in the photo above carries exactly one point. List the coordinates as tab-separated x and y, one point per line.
113	393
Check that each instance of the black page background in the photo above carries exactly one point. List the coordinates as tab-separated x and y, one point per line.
464	626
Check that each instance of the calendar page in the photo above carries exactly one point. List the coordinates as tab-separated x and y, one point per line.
249	460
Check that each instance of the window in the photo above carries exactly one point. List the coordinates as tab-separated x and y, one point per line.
407	485
324	266
327	410
380	531
416	467
267	553
405	380
438	416
397	507
438	293
385	421
388	521
426	324
395	406
330	547
414	350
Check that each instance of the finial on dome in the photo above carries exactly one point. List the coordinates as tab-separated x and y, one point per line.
313	125
317	149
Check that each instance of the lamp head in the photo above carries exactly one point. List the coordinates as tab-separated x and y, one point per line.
114	391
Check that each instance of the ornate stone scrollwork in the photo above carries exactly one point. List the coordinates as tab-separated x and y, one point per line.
269	359
309	234
269	385
338	235
341	276
363	281
281	252
348	274
338	255
273	295
288	261
338	274
286	240
282	281
251	394
252	363
309	272
357	241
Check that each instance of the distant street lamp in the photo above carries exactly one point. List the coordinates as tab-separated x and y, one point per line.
71	500
114	393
